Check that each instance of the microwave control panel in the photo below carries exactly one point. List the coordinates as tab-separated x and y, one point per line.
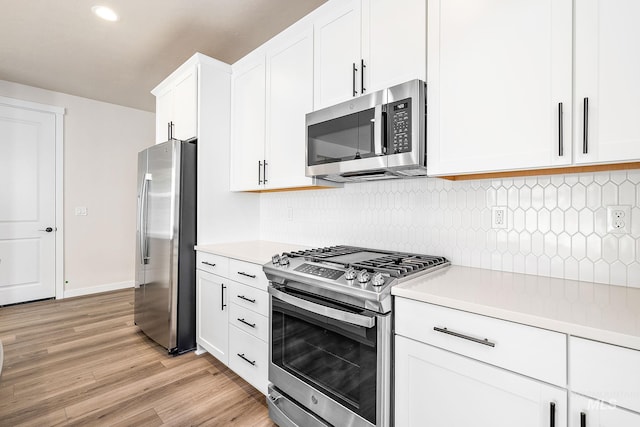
399	113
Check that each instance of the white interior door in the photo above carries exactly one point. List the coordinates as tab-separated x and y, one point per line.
27	204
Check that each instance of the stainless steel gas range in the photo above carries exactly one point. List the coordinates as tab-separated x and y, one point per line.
330	335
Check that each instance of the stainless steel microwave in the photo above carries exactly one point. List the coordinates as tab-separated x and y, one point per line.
381	135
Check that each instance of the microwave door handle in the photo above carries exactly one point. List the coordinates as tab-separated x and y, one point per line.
333	313
378	130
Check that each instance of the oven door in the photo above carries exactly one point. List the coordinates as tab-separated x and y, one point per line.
331	359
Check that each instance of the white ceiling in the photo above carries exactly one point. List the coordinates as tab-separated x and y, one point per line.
60	45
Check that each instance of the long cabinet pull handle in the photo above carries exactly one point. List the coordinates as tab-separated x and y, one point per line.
552	414
466	337
585	126
583	419
242	273
168	131
243	357
208	263
560	131
252	325
259	172
222	304
264	172
242	297
362	67
353	79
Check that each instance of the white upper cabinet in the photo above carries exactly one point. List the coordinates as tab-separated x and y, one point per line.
361	46
498	85
177	105
289	97
607	55
248	122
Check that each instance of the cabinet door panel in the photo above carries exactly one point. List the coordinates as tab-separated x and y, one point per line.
164	110
606	72
248	120
336	49
212	311
497	72
438	388
185	106
289	98
600	414
394	42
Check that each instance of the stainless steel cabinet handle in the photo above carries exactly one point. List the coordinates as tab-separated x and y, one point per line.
264	172
259	172
243	357
466	337
242	297
209	263
168	131
242	273
583	419
362	67
552	414
560	131
585	126
252	325
222	304
353	80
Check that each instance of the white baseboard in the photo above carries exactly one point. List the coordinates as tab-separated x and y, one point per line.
68	293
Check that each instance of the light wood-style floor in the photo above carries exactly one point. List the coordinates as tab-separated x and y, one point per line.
82	361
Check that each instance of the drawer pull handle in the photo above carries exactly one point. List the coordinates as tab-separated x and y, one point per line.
466	337
252	301
210	264
583	419
242	356
552	414
252	325
223	305
242	273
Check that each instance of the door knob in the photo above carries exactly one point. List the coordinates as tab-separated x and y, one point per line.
48	229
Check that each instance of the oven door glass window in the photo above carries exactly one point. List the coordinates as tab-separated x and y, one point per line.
334	357
349	137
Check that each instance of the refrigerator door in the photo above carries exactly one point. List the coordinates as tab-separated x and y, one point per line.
141	221
161	235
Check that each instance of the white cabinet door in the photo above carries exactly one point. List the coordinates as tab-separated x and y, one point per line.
212	315
289	98
394	42
607	42
164	110
595	413
497	73
248	123
438	388
185	105
336	54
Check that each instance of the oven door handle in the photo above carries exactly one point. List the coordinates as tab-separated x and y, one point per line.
343	316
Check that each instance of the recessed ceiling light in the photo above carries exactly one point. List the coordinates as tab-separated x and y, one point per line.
105	13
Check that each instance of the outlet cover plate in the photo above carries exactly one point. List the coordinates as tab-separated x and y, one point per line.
619	219
499	217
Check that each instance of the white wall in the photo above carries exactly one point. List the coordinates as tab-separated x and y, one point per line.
101	142
556	224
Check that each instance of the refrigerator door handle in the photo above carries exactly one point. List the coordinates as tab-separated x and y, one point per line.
144	248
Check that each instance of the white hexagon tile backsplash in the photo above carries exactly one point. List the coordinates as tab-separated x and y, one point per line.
556	225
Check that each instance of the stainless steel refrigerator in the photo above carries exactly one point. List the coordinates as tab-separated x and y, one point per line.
166	235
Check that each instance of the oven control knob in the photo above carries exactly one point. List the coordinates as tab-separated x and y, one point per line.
363	276
377	279
284	260
275	260
350	274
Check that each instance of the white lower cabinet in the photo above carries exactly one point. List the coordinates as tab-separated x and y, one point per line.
248	357
438	388
212	313
589	412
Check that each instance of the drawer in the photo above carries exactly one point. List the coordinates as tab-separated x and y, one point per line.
248	273
606	372
249	321
215	264
249	297
248	357
531	351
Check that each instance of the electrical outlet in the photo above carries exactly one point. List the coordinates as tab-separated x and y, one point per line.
499	217
81	211
619	219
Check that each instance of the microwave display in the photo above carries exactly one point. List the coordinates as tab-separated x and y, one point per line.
400	130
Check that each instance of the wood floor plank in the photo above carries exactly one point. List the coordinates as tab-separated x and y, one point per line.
81	361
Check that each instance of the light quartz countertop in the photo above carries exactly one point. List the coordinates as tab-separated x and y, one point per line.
589	310
255	251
